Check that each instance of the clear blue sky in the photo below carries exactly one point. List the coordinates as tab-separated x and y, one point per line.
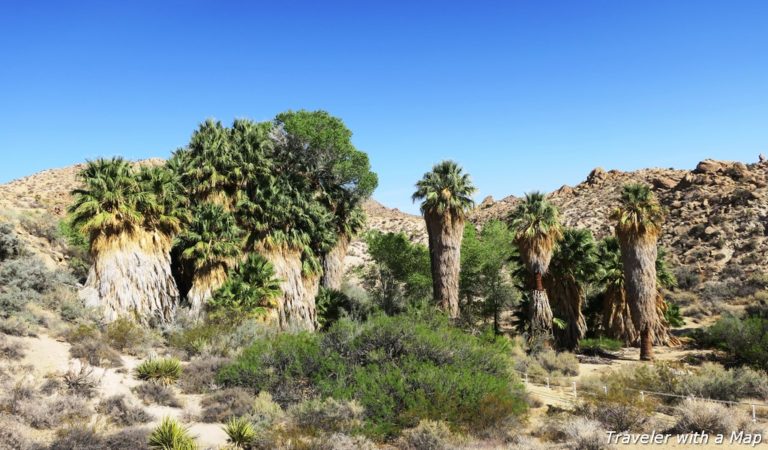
524	94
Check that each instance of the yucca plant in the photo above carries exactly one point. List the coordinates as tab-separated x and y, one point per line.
240	432
171	435
159	370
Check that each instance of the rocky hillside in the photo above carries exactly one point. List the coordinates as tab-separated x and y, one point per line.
717	223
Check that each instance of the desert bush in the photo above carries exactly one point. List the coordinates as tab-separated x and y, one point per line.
618	412
220	338
328	415
31	275
80	381
11	350
562	362
341	441
240	432
745	340
427	435
127	336
687	277
716	382
265	411
200	375
399	369
10	244
171	435
44	226
585	434
77	436
18	326
134	438
53	412
703	416
158	394
122	412
96	352
226	404
160	370
13	434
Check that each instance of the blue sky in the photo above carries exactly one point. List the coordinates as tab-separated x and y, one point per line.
524	94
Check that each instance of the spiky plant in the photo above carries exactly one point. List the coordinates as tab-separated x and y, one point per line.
536	225
240	432
211	244
160	370
130	217
573	266
638	219
446	198
171	435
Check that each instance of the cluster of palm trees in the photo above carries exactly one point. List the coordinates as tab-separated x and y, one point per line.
287	191
561	262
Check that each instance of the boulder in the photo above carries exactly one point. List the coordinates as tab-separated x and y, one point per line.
487	202
597	175
663	183
709	166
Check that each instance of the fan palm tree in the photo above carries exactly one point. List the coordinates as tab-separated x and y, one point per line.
249	290
639	218
349	221
573	266
211	244
446	197
536	225
130	218
616	315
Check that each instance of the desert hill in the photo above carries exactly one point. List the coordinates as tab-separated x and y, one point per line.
717	222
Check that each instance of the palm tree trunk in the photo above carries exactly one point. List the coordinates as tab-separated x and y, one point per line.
445	235
204	284
131	276
296	303
541	317
639	260
567	300
617	317
333	264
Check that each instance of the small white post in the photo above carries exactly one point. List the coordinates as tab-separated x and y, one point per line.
754	419
547	382
574	389
642	396
526	378
605	390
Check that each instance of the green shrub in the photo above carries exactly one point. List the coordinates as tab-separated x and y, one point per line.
673	316
401	370
10	244
240	432
171	435
593	346
161	370
745	340
126	335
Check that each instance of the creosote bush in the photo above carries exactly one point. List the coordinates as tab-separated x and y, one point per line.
745	340
127	336
400	369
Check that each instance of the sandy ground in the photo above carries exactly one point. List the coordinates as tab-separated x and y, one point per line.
45	355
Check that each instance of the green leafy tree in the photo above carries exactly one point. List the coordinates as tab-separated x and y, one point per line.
446	197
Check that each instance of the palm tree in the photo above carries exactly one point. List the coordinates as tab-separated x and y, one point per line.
250	290
639	218
130	218
211	244
573	266
616	315
445	193
536	225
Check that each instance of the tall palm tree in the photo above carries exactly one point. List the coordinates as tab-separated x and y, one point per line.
573	266
211	244
130	218
639	218
349	221
536	225
446	197
616	315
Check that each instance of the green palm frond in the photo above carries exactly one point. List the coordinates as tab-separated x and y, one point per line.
445	190
536	225
639	212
